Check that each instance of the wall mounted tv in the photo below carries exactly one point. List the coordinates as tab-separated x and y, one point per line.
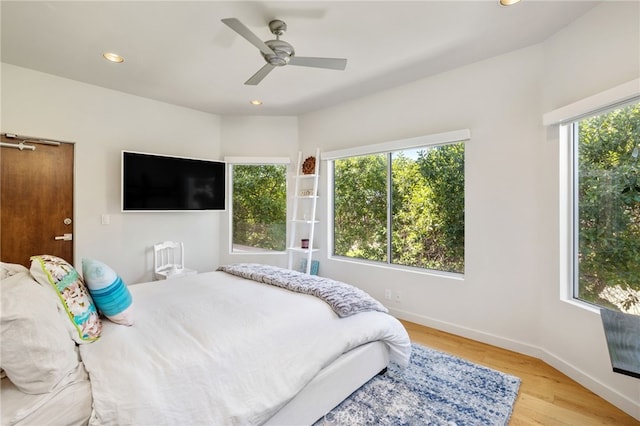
153	182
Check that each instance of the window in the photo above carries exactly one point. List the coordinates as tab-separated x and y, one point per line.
402	207
259	207
606	208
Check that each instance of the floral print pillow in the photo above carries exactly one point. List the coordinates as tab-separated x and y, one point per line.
57	272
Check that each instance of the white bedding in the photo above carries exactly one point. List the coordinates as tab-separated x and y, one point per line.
69	404
252	347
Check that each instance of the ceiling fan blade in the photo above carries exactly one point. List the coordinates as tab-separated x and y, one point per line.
262	73
330	63
246	33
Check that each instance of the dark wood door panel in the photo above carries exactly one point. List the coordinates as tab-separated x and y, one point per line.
37	197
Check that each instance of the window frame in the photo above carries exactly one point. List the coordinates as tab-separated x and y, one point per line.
255	161
572	131
564	118
387	148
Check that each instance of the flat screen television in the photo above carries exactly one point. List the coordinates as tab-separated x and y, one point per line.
153	182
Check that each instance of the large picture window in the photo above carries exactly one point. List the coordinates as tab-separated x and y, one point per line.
403	207
606	193
259	207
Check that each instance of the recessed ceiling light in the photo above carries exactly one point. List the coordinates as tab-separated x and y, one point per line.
255	102
113	57
508	2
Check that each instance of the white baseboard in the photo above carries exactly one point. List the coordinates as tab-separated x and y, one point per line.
626	404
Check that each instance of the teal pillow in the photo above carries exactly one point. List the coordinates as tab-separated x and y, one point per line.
108	291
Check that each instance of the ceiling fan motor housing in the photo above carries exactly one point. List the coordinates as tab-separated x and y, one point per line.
277	27
283	52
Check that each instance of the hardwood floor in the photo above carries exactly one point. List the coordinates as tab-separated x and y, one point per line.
546	397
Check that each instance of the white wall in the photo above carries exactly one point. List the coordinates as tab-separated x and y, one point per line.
580	62
510	292
498	295
103	122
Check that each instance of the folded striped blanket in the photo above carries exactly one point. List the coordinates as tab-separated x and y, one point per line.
344	299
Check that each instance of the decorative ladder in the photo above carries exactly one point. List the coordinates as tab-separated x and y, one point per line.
303	219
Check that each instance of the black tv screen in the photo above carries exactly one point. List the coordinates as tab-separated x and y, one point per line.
152	182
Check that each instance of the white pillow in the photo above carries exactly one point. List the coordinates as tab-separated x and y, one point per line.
9	269
108	291
36	352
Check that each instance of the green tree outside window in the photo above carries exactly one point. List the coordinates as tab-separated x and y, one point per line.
259	207
426	217
608	205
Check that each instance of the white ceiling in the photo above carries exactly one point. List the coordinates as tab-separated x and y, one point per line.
179	52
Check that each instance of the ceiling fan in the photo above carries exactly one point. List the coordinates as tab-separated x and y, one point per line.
278	52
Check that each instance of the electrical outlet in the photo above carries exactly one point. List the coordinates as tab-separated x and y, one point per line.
398	297
387	294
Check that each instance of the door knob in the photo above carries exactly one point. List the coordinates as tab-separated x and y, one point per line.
67	221
65	237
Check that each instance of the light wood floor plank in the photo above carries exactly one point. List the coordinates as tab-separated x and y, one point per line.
547	397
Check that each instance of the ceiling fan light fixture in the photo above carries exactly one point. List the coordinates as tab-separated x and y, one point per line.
113	57
508	2
255	102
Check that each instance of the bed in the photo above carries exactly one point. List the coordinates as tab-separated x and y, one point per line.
245	345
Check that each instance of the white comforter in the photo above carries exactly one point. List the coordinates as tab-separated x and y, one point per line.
217	349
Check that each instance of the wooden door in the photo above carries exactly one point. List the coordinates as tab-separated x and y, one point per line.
36	204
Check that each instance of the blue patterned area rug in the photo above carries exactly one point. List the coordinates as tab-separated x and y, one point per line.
436	389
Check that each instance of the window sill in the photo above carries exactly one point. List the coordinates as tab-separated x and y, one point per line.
252	251
581	305
410	269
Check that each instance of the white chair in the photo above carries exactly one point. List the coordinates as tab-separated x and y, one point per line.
168	261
